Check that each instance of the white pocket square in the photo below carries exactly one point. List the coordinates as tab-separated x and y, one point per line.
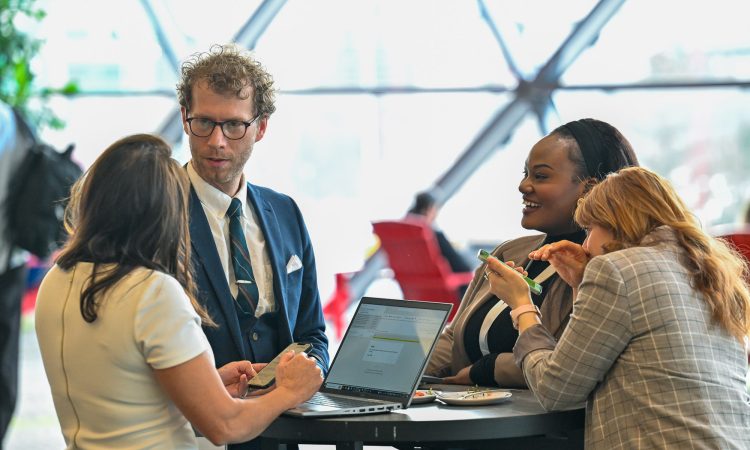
293	264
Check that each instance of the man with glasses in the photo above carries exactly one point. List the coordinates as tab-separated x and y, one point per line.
252	256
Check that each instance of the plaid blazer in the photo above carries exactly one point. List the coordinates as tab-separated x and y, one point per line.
641	349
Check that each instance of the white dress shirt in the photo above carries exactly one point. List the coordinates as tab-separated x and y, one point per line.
215	204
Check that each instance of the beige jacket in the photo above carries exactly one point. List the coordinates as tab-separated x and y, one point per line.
450	353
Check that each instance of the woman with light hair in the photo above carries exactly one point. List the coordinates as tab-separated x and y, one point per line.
655	343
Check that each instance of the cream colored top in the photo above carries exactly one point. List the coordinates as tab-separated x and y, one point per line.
101	373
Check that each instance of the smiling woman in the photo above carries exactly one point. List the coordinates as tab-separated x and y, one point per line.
476	347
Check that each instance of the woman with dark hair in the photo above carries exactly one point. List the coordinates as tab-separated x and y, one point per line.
655	344
476	348
119	327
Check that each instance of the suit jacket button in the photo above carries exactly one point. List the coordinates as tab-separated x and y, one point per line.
255	336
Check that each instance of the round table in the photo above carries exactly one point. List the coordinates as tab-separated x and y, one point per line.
519	417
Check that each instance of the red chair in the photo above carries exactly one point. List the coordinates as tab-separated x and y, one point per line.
738	237
741	242
418	266
336	306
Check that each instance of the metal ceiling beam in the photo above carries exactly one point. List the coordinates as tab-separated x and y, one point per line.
537	91
496	132
500	127
658	85
494	89
509	60
247	36
161	36
584	35
547	116
499	89
386	90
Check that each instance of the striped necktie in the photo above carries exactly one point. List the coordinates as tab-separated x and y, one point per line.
247	289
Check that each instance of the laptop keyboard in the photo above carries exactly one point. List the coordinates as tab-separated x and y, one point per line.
337	402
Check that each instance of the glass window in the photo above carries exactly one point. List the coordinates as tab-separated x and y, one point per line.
669	40
351	145
368	43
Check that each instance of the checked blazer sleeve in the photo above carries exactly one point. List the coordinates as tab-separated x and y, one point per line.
641	348
598	331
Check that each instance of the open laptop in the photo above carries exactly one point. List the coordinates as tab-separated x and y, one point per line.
380	360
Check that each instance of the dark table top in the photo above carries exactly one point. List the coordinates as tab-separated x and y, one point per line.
520	416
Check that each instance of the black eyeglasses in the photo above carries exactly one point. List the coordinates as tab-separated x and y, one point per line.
232	129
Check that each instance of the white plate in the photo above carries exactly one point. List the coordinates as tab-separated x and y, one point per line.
426	398
465	398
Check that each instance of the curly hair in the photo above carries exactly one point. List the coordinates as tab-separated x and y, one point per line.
228	70
645	202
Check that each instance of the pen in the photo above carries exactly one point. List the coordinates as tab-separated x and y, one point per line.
533	285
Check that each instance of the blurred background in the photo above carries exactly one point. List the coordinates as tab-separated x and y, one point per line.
381	99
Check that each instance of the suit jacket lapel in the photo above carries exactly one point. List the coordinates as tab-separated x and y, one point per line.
269	224
205	248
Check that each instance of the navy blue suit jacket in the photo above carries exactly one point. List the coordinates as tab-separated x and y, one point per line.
296	294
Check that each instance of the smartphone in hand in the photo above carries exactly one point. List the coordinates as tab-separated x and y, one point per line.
533	285
267	375
429	379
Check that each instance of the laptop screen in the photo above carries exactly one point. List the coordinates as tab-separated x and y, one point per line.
386	347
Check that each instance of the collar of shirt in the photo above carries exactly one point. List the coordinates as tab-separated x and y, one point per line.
215	204
215	201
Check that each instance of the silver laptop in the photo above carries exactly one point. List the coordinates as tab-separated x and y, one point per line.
380	360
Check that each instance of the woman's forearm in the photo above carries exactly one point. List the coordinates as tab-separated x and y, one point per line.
252	415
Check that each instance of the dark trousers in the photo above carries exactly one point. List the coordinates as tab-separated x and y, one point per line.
11	293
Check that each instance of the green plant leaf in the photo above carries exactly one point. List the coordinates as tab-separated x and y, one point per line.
17	49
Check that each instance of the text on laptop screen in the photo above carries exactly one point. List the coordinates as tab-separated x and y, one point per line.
385	349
